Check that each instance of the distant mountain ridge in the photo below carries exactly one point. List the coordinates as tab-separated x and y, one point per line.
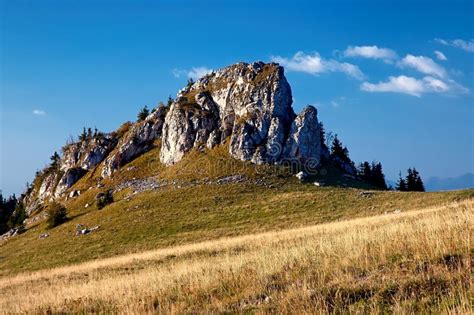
460	182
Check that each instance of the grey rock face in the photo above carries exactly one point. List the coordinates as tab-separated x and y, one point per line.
304	141
70	177
48	186
88	153
251	103
77	159
136	141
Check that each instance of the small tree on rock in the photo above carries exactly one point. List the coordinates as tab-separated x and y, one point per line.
144	112
170	101
55	160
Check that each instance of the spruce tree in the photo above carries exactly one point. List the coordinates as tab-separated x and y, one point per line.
55	160
377	176
170	101
401	184
190	82
83	135
336	147
410	180
418	182
144	112
322	134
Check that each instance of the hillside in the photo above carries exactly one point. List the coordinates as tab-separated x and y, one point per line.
204	196
225	200
409	262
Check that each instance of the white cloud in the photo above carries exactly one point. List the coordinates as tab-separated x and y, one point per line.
39	112
334	103
315	64
371	52
424	65
464	45
198	72
413	86
194	73
441	41
178	72
440	55
467	45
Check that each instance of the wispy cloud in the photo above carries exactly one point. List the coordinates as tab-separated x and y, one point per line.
371	52
177	73
415	87
467	45
39	112
424	65
198	72
440	55
194	73
315	64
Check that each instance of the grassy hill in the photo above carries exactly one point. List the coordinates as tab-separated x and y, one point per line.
409	262
227	204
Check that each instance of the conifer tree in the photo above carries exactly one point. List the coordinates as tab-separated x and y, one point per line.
418	182
55	160
83	135
322	134
170	101
190	82
144	112
377	176
401	183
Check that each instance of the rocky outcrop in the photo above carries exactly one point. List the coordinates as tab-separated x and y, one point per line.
250	103
136	141
304	142
77	159
88	153
70	177
247	107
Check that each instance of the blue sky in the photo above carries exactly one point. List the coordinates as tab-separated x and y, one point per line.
395	79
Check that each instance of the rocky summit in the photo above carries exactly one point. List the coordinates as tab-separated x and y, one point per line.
247	107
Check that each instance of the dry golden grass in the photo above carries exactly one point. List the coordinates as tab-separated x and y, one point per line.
416	261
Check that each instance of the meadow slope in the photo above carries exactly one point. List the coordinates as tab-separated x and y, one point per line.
413	261
190	205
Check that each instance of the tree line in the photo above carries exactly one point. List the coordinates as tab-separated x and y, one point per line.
371	173
12	213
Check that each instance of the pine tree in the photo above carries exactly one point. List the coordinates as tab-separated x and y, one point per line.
55	160
170	101
89	133
366	171
418	182
144	112
322	134
18	216
190	82
336	147
83	135
377	176
401	183
7	209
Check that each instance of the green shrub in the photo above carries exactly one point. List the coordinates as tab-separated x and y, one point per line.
104	198
57	214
